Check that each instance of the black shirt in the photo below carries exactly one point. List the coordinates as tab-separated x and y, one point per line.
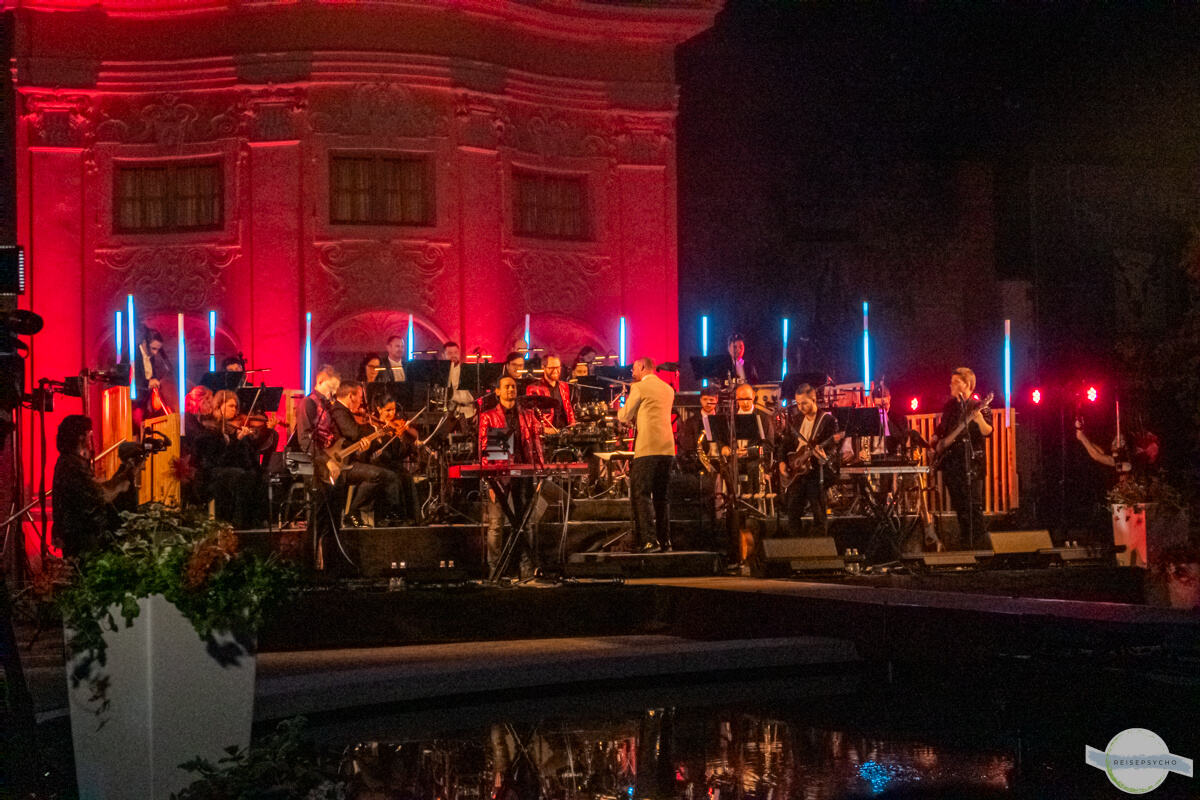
81	515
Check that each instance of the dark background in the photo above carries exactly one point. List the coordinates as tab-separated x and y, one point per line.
955	165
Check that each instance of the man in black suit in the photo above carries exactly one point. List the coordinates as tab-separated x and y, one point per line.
368	479
814	428
392	367
742	369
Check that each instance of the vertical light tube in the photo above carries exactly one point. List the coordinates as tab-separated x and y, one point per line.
308	353
134	351
622	341
212	341
704	342
1007	373
181	368
785	340
866	354
410	338
119	334
527	336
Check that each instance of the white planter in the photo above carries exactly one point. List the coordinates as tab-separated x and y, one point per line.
169	700
1146	534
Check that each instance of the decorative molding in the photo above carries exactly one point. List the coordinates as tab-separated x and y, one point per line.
186	278
549	134
368	272
57	119
274	114
646	140
554	281
378	109
169	123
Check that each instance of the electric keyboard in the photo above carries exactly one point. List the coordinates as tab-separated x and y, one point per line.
885	469
506	470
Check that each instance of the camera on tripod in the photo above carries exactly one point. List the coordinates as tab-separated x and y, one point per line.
136	453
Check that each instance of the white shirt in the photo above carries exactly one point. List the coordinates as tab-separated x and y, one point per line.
147	362
740	366
649	403
455	373
397	368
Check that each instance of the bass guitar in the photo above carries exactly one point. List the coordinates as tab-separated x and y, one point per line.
943	445
801	461
337	455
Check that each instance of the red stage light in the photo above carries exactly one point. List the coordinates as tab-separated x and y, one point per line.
1092	394
1037	396
914	404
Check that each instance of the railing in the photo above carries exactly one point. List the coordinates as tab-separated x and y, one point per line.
1000	490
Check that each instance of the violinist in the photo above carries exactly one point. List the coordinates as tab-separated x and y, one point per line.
370	481
228	466
196	406
391	452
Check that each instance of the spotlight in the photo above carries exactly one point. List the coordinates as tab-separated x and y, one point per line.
1037	396
914	404
1092	394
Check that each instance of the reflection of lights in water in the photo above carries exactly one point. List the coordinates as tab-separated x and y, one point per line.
878	775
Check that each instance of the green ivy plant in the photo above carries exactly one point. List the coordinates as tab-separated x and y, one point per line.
282	765
192	561
1134	493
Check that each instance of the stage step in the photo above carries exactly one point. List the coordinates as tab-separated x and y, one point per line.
677	564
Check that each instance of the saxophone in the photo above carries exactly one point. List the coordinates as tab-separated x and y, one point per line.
702	453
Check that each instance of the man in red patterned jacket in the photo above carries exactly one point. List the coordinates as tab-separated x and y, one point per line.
550	386
525	430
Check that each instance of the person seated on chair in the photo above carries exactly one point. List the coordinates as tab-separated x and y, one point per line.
227	462
84	516
392	452
370	482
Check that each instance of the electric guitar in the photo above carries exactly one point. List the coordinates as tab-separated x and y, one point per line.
944	443
800	461
337	456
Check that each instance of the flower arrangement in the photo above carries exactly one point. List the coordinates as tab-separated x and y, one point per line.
194	562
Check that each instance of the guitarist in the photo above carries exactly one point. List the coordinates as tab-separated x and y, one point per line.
370	480
963	481
316	431
809	437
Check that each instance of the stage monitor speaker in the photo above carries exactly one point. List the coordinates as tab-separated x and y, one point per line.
801	554
602	570
947	560
1010	542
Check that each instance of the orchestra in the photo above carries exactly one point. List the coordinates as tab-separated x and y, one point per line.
736	449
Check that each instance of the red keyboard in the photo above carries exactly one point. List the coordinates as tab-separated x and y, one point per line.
518	470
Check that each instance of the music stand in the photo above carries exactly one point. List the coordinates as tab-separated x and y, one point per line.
268	398
401	393
863	422
432	372
748	428
226	380
487	375
614	373
718	367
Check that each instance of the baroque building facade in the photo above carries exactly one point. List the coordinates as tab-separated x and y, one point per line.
467	162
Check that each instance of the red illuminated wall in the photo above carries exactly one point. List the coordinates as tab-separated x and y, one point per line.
269	88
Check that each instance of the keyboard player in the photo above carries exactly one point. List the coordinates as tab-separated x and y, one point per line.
522	430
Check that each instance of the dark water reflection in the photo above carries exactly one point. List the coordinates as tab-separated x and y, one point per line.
669	752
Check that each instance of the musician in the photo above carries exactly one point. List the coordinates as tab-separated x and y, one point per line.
892	424
228	463
460	400
453	353
391	452
233	364
196	407
813	429
316	431
393	362
648	406
370	481
551	386
368	368
514	367
962	462
83	514
742	371
706	423
524	429
584	362
151	369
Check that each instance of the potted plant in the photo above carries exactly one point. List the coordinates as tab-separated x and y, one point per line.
1148	518
175	681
